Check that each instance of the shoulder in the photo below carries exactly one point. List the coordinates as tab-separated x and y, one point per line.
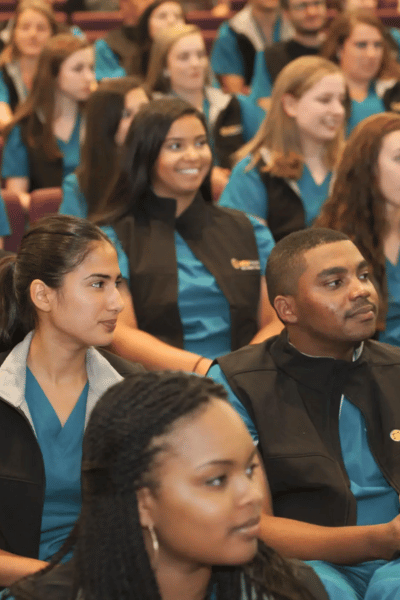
378	354
249	359
122	366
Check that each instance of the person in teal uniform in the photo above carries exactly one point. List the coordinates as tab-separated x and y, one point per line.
367	184
192	271
43	141
336	504
108	115
179	66
125	51
172	498
284	173
60	296
4	222
239	39
357	42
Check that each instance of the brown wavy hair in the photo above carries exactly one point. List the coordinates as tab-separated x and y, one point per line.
356	205
341	28
41	99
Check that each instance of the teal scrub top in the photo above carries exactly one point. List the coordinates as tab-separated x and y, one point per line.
246	191
4	223
15	161
371	105
203	309
226	57
391	335
106	62
73	202
61	448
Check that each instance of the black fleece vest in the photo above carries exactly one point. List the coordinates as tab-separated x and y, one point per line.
294	400
248	53
228	133
281	54
222	239
285	207
43	172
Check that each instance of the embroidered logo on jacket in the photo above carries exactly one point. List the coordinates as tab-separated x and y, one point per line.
245	265
230	130
395	435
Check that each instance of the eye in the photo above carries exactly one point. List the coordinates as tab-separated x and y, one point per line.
174	146
361	45
202	143
219	481
251	468
333	283
365	276
98	284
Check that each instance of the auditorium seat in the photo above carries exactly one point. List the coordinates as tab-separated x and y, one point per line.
97	20
17	218
44	202
205	19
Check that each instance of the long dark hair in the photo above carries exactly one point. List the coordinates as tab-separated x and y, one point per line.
100	154
53	247
121	444
145	138
356	205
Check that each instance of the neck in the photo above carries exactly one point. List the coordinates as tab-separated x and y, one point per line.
55	359
28	63
314	156
311	40
194	97
358	88
266	17
321	348
182	581
65	107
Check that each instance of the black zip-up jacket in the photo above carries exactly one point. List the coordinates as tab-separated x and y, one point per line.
294	400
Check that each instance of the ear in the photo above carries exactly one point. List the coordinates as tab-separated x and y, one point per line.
146	506
289	105
41	295
285	307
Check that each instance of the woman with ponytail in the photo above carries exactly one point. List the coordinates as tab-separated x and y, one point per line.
61	292
172	496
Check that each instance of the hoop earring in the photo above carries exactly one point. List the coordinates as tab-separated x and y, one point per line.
156	547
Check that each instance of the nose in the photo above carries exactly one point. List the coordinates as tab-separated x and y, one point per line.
191	152
360	288
372	51
252	490
115	303
338	108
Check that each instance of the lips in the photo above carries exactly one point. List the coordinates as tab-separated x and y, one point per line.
362	310
110	324
250	527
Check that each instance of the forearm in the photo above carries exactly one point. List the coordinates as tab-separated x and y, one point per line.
343	545
13	567
273	328
136	345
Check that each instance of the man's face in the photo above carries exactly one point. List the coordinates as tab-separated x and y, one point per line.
307	16
335	304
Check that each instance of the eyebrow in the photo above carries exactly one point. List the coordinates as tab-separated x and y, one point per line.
102	276
338	270
224	462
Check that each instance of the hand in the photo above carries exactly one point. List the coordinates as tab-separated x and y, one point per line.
219	179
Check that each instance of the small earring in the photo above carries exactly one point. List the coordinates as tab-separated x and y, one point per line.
156	547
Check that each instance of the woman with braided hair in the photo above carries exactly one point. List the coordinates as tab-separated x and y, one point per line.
172	496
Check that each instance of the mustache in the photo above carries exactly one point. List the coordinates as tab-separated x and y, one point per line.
361	306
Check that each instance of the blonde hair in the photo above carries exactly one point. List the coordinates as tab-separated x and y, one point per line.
11	51
157	80
279	132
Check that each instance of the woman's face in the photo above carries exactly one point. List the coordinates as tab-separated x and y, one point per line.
84	310
183	161
389	168
319	112
76	76
132	102
206	508
163	16
361	54
187	64
31	32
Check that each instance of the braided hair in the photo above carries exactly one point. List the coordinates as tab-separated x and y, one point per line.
124	436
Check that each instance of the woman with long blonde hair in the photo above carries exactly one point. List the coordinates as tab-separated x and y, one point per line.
284	172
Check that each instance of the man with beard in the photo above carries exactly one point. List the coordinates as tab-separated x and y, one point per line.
322	400
308	19
256	26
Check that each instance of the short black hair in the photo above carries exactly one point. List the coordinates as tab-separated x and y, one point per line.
286	264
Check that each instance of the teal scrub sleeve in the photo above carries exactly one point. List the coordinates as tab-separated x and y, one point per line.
261	85
4	223
73	202
4	92
106	61
395	33
122	257
217	375
15	161
265	241
252	116
226	58
245	191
